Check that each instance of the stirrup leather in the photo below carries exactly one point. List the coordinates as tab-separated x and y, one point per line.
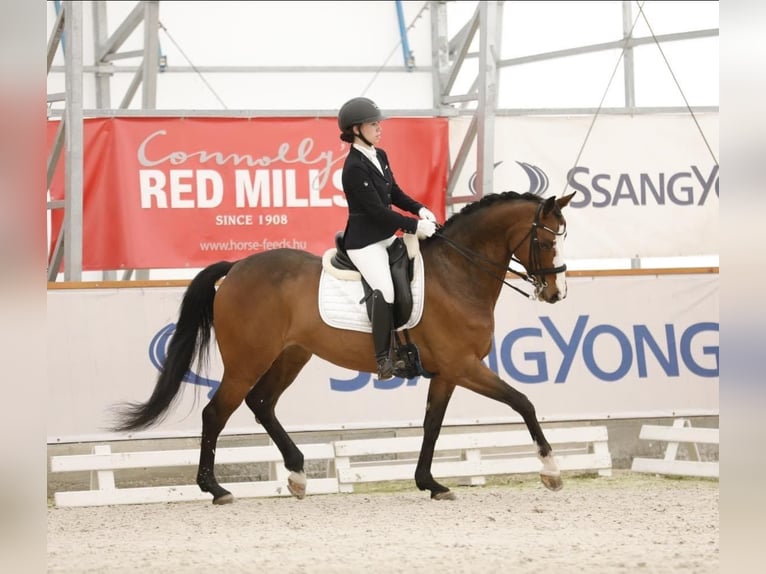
382	335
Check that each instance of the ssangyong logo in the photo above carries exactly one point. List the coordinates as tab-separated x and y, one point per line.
598	189
538	180
694	186
158	352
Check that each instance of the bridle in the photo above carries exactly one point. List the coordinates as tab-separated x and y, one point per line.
535	276
534	247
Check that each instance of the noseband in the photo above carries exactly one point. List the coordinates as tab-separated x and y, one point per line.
534	276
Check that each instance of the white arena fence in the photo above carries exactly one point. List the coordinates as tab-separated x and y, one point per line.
681	432
470	457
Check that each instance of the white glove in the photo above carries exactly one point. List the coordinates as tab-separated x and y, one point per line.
425	213
426	228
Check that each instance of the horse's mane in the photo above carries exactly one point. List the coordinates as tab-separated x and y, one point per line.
489	200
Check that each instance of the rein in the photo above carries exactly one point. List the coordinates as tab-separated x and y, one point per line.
534	256
472	256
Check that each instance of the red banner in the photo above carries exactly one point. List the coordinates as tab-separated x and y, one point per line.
186	192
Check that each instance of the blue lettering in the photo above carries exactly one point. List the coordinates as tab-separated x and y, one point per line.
686	353
568	350
541	374
644	343
643	338
349	385
590	360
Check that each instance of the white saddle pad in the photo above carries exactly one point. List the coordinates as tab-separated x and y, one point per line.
339	304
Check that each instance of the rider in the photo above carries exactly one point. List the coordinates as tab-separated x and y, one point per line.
371	189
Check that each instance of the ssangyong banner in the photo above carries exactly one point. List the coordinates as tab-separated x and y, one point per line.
616	347
186	192
645	185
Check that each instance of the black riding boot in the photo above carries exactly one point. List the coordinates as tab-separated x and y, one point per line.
382	331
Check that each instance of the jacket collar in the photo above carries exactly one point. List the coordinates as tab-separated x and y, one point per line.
385	174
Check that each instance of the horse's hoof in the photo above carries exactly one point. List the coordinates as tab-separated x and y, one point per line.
296	484
553	483
448	495
227	498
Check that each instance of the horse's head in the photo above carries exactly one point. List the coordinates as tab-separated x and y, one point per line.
541	250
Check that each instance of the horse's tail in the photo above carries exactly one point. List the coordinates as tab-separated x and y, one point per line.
190	341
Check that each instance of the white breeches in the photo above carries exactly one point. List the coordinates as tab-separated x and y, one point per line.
372	262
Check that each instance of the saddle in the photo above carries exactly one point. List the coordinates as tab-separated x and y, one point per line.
402	269
402	272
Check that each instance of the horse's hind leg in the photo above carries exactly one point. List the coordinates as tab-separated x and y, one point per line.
227	398
262	400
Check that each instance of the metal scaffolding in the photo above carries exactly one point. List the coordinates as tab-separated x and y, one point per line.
70	133
449	56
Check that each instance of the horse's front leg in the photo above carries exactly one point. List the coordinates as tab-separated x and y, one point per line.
439	393
480	379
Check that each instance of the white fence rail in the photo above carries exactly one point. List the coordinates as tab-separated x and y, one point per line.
470	457
473	456
103	463
680	433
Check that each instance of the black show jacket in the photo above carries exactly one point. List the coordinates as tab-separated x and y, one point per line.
370	195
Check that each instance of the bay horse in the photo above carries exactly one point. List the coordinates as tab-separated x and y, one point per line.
267	325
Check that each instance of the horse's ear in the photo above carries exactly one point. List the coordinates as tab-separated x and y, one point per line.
549	205
564	200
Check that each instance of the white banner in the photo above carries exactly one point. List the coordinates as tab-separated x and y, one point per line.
617	347
646	186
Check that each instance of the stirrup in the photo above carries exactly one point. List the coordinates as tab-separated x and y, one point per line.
385	369
397	363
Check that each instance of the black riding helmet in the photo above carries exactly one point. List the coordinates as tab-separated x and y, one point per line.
358	111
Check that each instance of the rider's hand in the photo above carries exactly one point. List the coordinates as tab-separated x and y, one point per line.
426	228
425	213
